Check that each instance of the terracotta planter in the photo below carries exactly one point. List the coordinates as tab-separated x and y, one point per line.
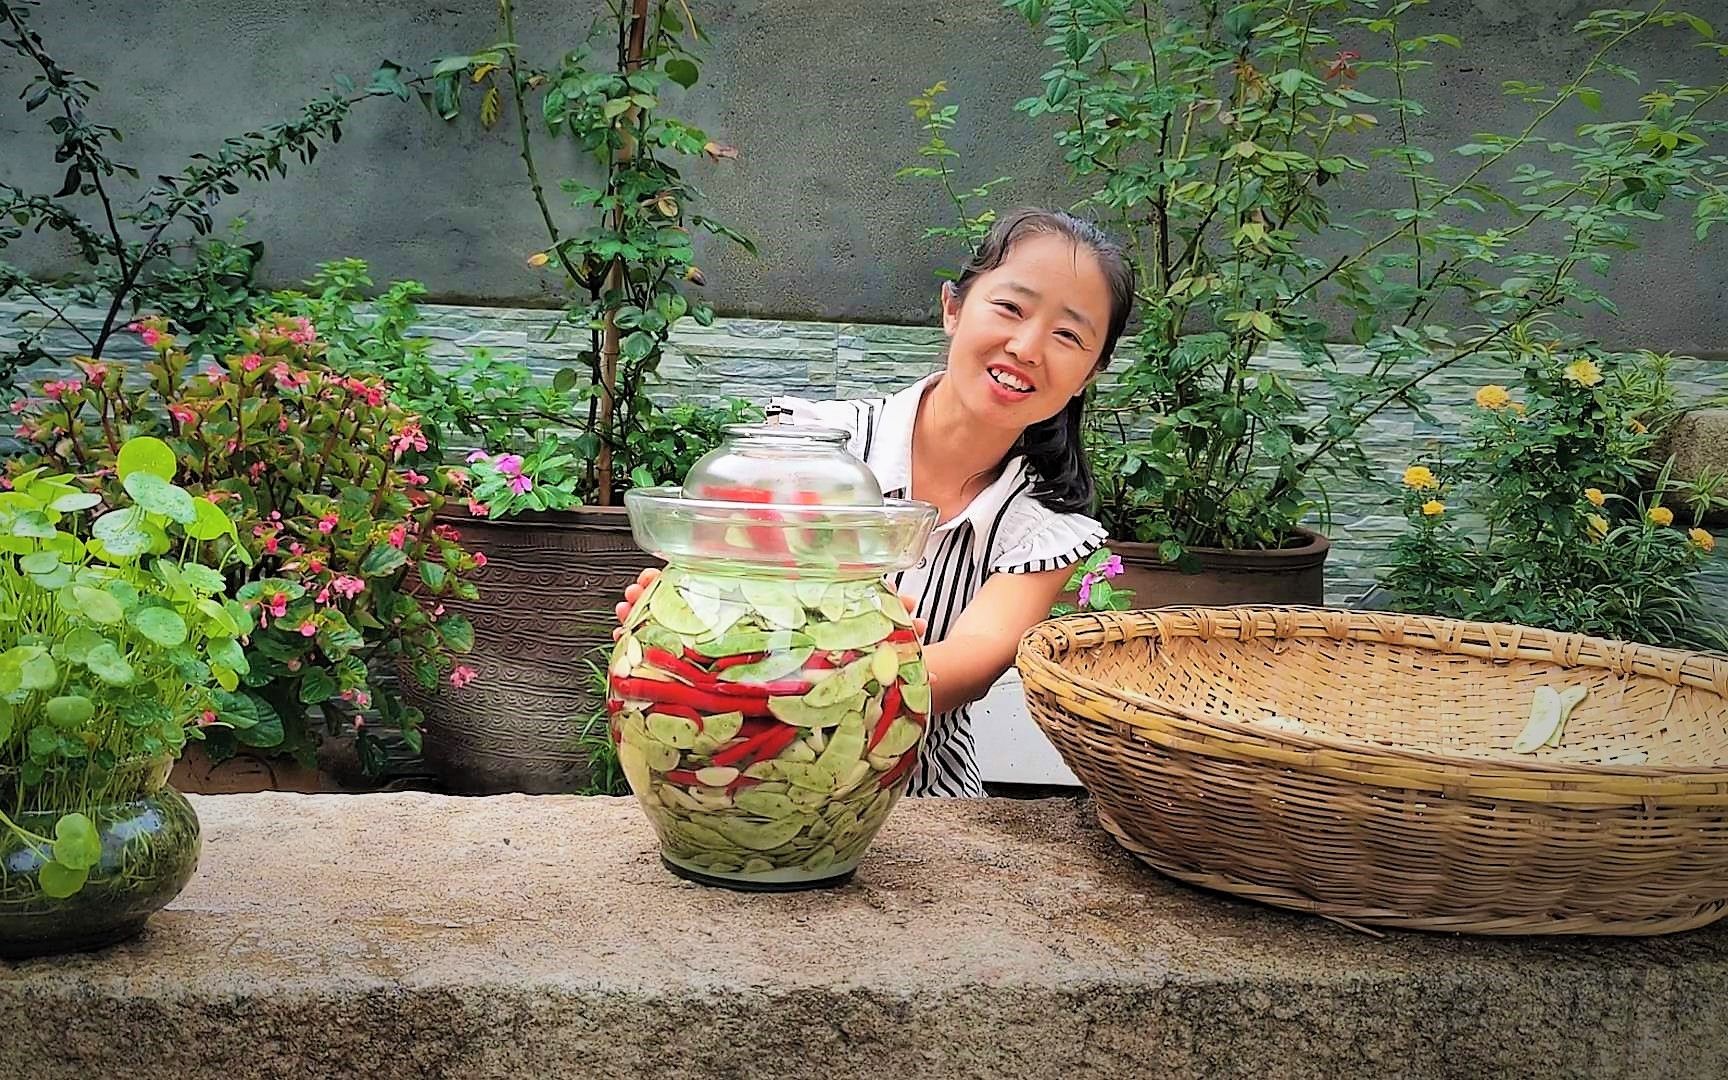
1291	575
547	594
195	774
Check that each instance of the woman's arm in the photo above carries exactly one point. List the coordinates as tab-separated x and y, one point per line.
982	642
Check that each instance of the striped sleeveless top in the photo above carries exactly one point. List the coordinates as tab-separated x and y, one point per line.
1004	530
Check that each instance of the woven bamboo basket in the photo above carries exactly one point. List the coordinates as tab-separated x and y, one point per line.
1359	765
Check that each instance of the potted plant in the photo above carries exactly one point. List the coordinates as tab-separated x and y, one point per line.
336	549
121	646
1544	516
558	548
1219	142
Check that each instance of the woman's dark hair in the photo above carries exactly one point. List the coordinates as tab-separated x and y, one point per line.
1061	477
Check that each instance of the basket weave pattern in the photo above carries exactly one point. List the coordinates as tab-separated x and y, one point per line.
1359	765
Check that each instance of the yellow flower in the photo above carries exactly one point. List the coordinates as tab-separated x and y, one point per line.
1420	478
1638	427
1433	508
1702	540
1595	496
1598	525
1493	397
1517	408
1661	515
1584	372
539	259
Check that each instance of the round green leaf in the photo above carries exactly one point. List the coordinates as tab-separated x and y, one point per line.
39	562
73	501
59	882
44	741
70	710
122	533
146	455
316	685
58	578
76	843
106	663
76	645
161	625
6	720
161	497
202	578
221	619
39	672
68	547
96	605
33	524
209	521
228	653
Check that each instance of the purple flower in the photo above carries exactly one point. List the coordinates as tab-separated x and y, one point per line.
521	485
478	455
1112	566
1086	589
510	465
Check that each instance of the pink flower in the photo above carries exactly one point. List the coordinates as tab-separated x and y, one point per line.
272	545
438	611
297	548
295	665
281	423
185	414
478	455
306	334
398	536
462	676
323	596
274	606
288	378
409	437
257	469
151	337
348	585
510	465
475	506
1112	566
207	717
216	375
54	389
447	532
521	485
327	524
479	558
308	629
459	477
251	361
413	478
20	405
1085	590
96	372
360	698
314	564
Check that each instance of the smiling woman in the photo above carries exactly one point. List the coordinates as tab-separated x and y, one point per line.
993	442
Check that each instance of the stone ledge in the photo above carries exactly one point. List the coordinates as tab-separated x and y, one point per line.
416	935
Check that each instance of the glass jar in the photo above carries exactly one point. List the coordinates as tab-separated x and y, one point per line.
768	695
150	846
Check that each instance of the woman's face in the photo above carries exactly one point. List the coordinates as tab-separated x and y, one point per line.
1027	336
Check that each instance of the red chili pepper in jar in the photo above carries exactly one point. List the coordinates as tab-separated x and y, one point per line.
758	747
738	660
890	709
707	701
907	760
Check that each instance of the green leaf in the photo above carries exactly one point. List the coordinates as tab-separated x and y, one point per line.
159	496
433	574
161	625
106	663
36	669
457	632
69	710
682	72
564	381
33	524
266	733
44	742
209	521
76	645
122	533
60	882
316	685
77	845
39	562
7	715
96	605
202	578
221	619
228	653
75	501
146	455
381	560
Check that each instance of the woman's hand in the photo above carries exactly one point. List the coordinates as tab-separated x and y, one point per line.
633	593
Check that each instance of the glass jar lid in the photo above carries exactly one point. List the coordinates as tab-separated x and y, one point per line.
784	496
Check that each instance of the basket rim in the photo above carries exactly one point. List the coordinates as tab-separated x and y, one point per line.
1039	647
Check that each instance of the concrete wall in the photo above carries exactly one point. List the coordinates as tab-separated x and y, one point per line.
812	92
